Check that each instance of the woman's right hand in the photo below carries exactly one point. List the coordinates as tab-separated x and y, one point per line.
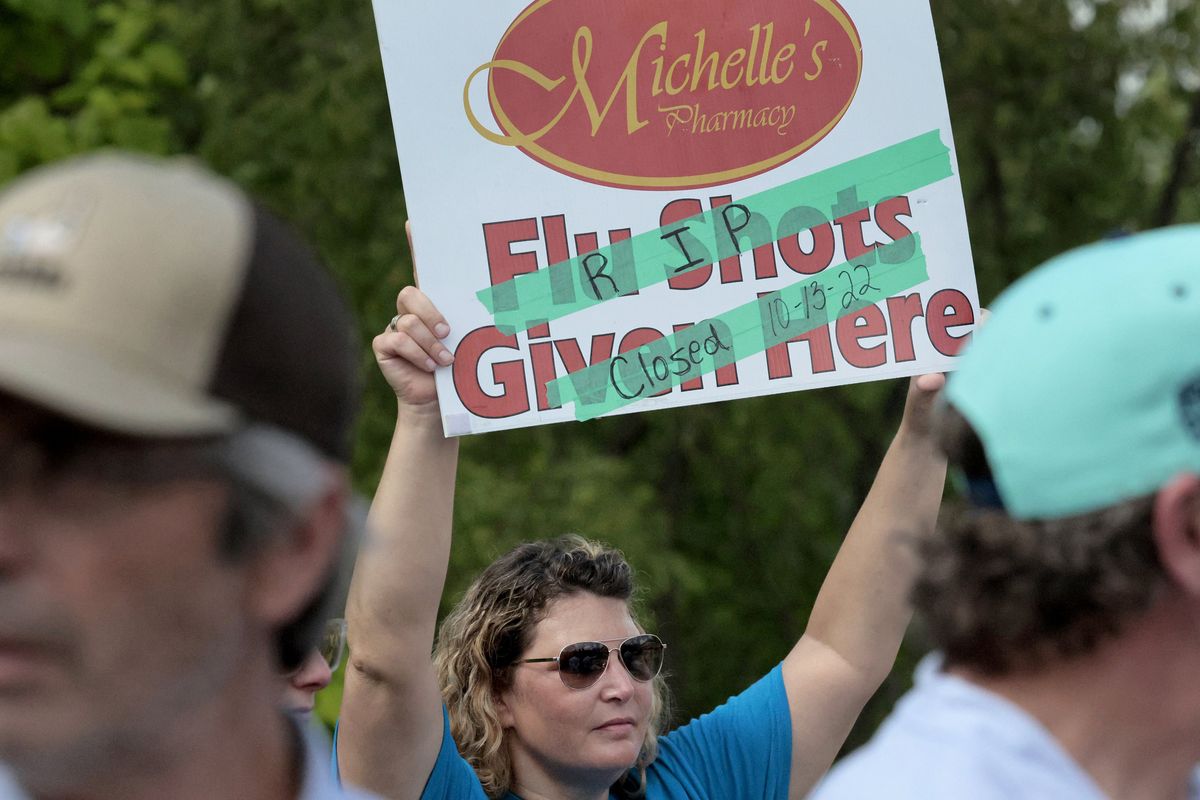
410	349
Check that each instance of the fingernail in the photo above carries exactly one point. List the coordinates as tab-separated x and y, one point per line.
444	356
429	365
441	329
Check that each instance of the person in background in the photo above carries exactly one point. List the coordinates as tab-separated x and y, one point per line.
1064	603
543	683
300	686
177	388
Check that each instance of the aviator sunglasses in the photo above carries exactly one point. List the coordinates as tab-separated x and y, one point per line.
333	643
331	647
581	664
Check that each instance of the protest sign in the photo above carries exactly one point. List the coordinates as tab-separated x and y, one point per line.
626	206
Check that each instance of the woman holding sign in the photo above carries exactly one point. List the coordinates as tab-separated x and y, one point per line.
543	685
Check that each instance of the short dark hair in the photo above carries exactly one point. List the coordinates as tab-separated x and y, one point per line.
1001	595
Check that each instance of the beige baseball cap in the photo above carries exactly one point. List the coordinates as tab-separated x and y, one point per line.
154	298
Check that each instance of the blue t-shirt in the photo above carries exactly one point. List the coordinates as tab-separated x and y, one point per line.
948	739
741	749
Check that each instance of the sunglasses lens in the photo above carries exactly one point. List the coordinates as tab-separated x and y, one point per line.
333	643
642	656
581	664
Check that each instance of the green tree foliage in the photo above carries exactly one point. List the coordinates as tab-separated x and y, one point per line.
1072	118
78	75
1067	115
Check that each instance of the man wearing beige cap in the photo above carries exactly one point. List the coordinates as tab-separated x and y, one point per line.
177	386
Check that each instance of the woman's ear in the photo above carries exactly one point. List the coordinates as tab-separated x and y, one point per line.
501	700
1177	531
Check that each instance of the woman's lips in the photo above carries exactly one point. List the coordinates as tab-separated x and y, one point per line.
620	725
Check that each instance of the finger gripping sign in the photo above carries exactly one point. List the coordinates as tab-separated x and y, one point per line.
622	207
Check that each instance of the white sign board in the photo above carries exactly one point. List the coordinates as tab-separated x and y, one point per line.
629	206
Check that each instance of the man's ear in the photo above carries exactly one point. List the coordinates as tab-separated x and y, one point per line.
1177	531
289	571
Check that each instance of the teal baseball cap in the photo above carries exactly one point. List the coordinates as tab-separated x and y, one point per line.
1084	386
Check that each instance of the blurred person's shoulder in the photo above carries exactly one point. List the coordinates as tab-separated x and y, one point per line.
319	781
948	739
9	790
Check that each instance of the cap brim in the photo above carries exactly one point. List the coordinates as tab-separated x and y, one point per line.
76	380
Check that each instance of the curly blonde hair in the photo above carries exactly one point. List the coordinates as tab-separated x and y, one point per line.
487	632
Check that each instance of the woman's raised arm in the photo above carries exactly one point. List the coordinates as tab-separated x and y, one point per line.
391	719
862	610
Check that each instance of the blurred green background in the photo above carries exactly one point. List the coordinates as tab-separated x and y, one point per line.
1072	118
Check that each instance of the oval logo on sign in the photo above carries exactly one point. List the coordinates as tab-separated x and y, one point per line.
669	94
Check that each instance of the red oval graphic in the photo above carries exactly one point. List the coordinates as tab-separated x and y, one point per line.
670	94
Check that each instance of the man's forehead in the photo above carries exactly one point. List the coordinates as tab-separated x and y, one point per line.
23	420
45	446
18	416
